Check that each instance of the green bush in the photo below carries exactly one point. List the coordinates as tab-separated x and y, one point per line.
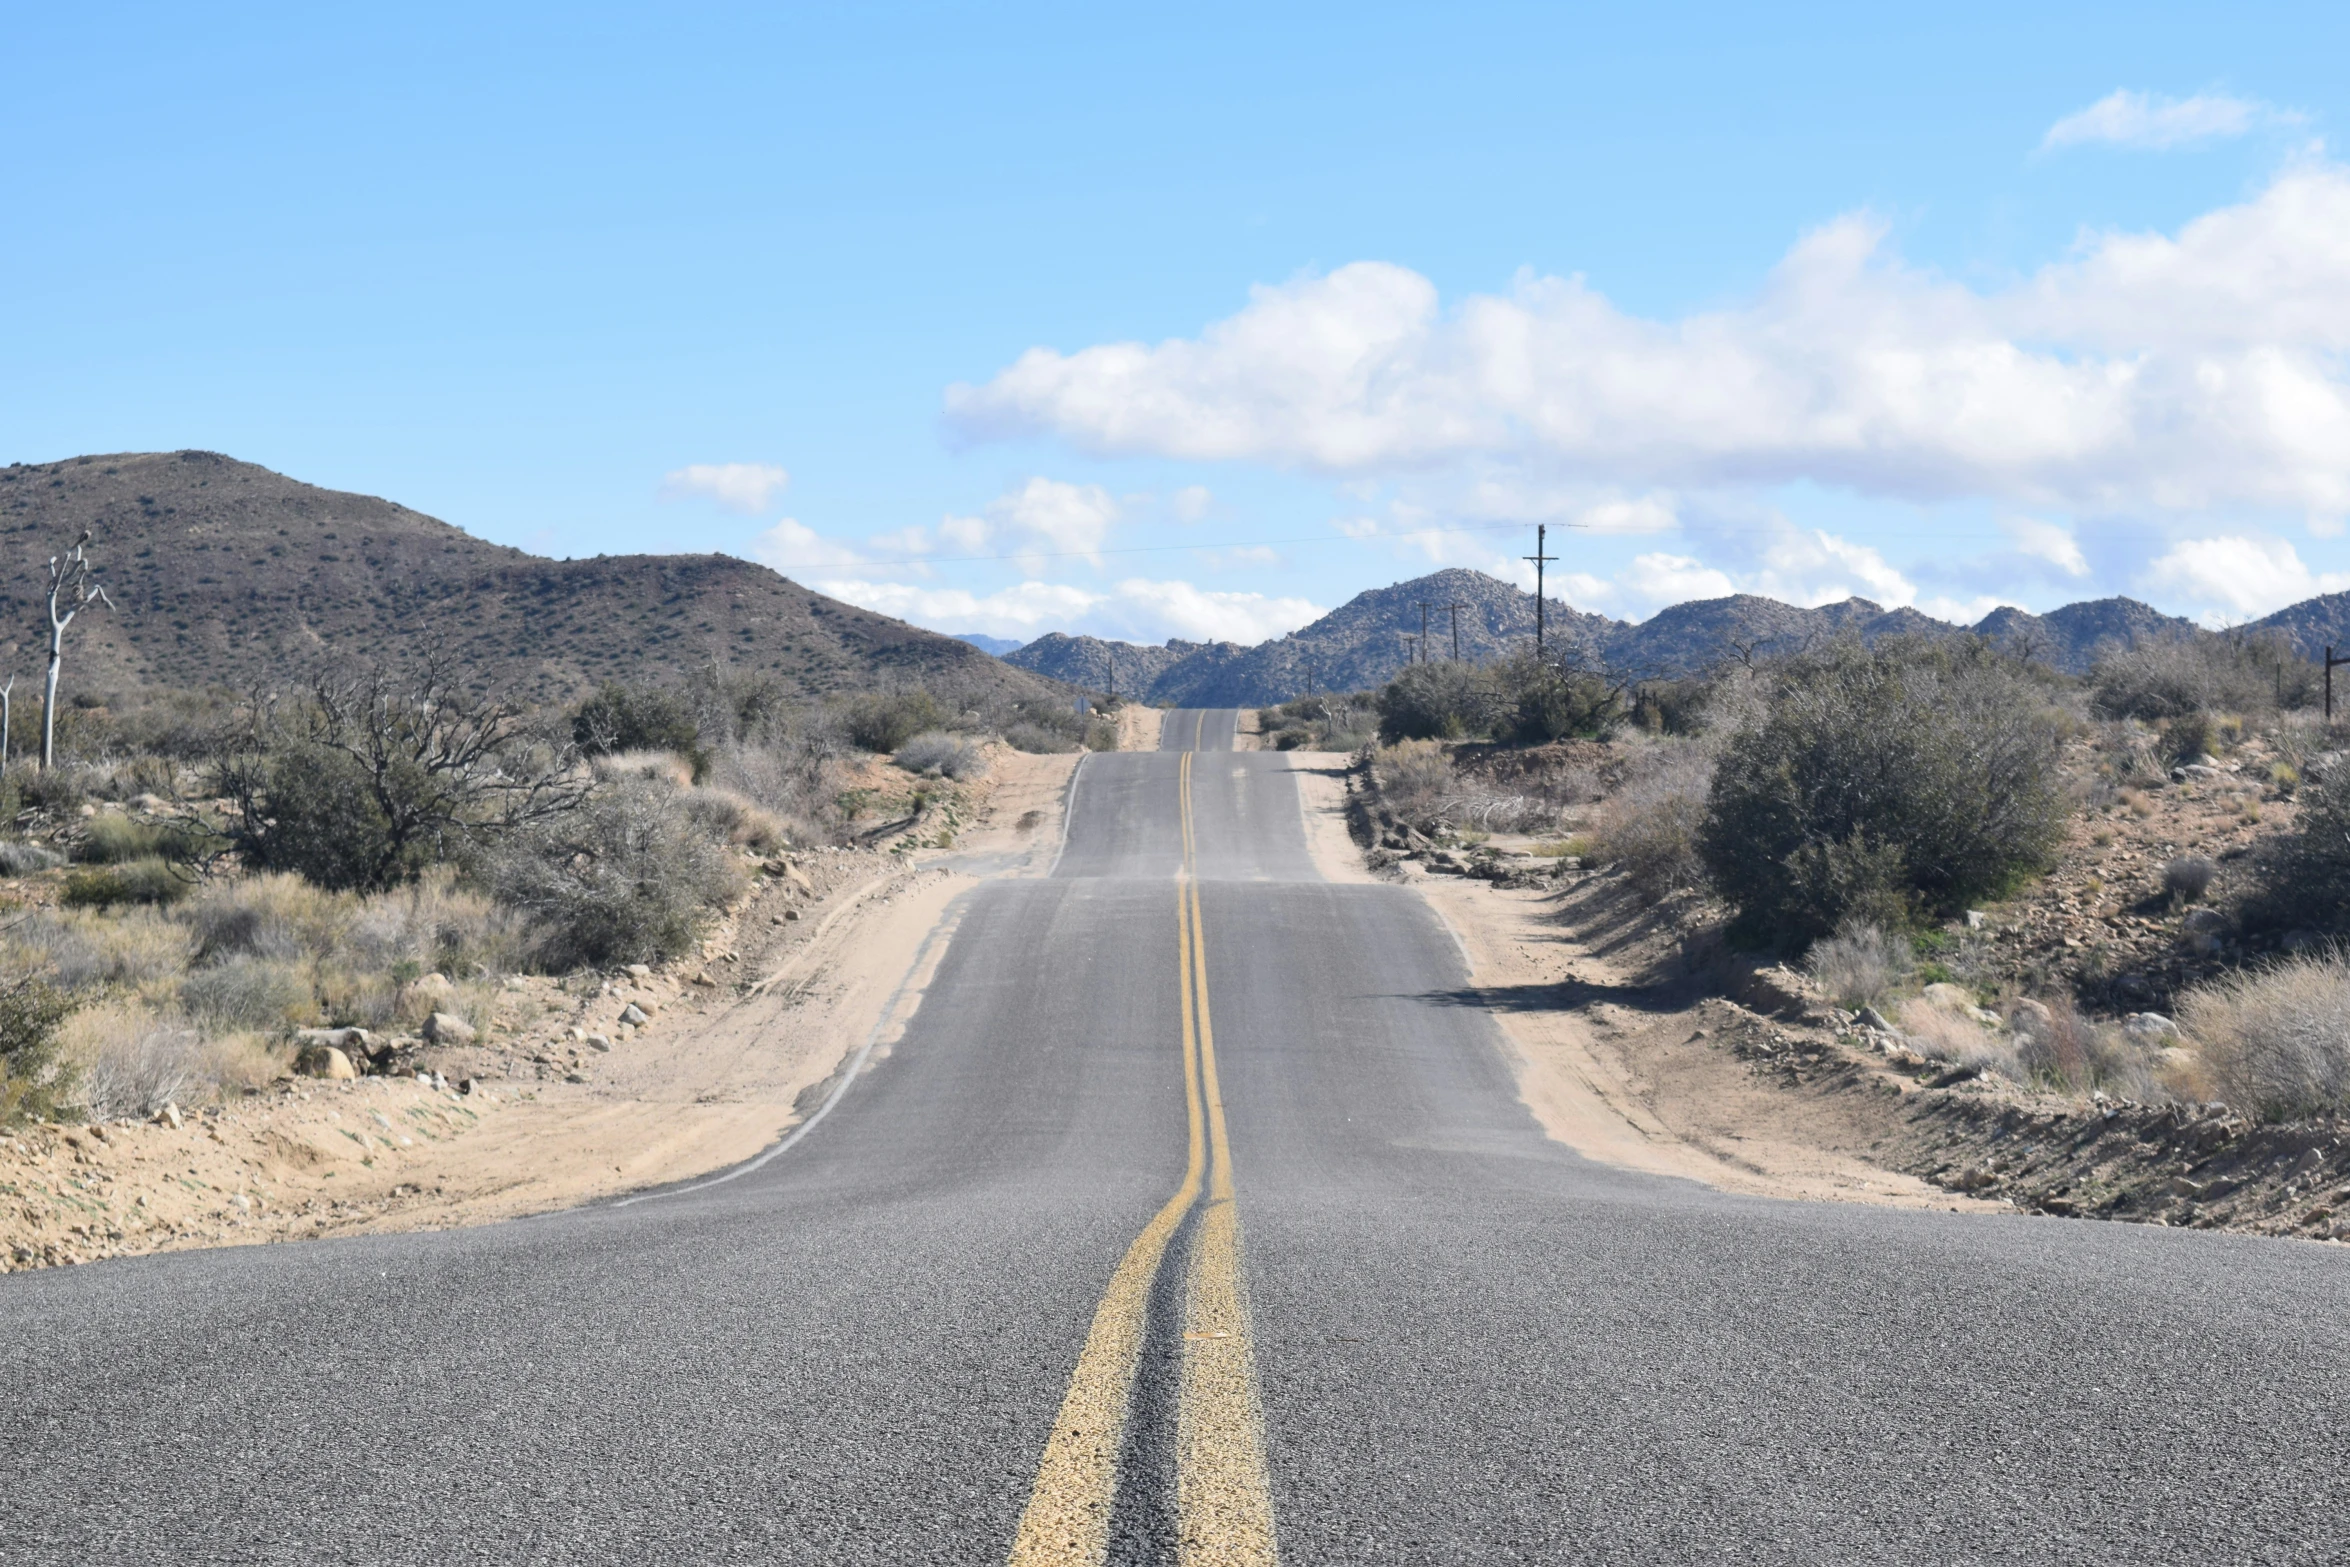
33	1081
1441	701
1552	703
318	816
112	839
2301	879
1881	784
636	718
626	879
110	886
2199	672
884	722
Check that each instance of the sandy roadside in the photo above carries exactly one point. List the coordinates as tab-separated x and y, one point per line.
806	971
1138	727
1612	1074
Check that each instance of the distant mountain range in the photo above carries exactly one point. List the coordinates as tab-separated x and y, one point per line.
1365	641
223	574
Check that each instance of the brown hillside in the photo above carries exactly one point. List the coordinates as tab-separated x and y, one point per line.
224	573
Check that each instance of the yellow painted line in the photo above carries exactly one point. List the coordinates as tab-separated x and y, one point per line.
1223	1491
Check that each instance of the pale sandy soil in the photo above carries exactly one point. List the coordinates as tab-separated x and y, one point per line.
790	986
1138	727
1622	1072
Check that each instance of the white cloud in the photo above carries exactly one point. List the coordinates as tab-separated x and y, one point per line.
2048	541
2152	372
1136	608
1191	503
791	546
2136	119
1962	612
1658	580
1072	519
738	486
1815	567
2238	577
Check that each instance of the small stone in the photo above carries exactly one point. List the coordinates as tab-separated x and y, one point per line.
634	1016
640	970
1870	1017
2150	1028
595	1041
428	992
169	1116
446	1028
791	914
1975	919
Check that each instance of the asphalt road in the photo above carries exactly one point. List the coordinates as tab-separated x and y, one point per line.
1387	1321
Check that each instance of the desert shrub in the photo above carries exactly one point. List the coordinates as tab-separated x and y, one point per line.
56	790
111	839
1650	825
884	722
435	924
1547	701
2188	877
34	1080
18	858
318	817
733	818
2176	677
2059	1047
248	992
1440	701
137	1071
1413	776
1882	780
2190	736
795	773
110	886
637	718
1025	736
2275	1041
2301	879
1860	964
1101	733
950	756
274	915
82	950
627	879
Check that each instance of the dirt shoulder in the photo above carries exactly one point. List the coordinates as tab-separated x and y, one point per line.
561	1101
1634	1074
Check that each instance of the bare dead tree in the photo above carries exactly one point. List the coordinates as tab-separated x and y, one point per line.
7	718
72	588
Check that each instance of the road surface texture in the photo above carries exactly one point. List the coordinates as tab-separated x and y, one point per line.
1194	1218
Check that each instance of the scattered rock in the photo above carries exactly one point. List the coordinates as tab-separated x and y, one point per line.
640	970
2205	931
634	1016
596	1041
323	1061
169	1116
427	993
2150	1028
446	1028
1870	1017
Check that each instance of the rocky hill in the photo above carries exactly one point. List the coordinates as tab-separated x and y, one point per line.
2313	624
1365	641
225	573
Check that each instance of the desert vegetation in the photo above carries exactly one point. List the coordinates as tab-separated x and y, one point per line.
2123	885
200	876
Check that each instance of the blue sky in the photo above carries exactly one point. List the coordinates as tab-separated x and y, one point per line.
1197	322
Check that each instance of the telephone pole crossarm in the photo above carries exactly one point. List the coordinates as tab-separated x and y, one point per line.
1541	557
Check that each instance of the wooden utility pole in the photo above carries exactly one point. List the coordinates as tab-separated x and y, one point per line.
1111	649
1424	607
1411	648
1456	606
1539	558
2332	663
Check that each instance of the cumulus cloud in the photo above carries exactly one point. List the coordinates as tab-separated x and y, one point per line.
2237	576
1136	608
2136	119
1660	579
792	546
746	487
2149	373
1191	503
2046	541
1070	519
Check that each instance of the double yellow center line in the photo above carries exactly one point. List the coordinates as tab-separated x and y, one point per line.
1223	1498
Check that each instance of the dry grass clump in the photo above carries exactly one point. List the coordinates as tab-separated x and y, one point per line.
1650	825
2062	1049
938	753
735	818
2275	1041
1861	964
1940	1034
666	766
1414	777
130	1060
2188	877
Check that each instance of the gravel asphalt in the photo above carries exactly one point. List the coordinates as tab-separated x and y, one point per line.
1470	1345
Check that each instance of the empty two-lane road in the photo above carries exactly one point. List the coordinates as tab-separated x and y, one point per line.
1194	1217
